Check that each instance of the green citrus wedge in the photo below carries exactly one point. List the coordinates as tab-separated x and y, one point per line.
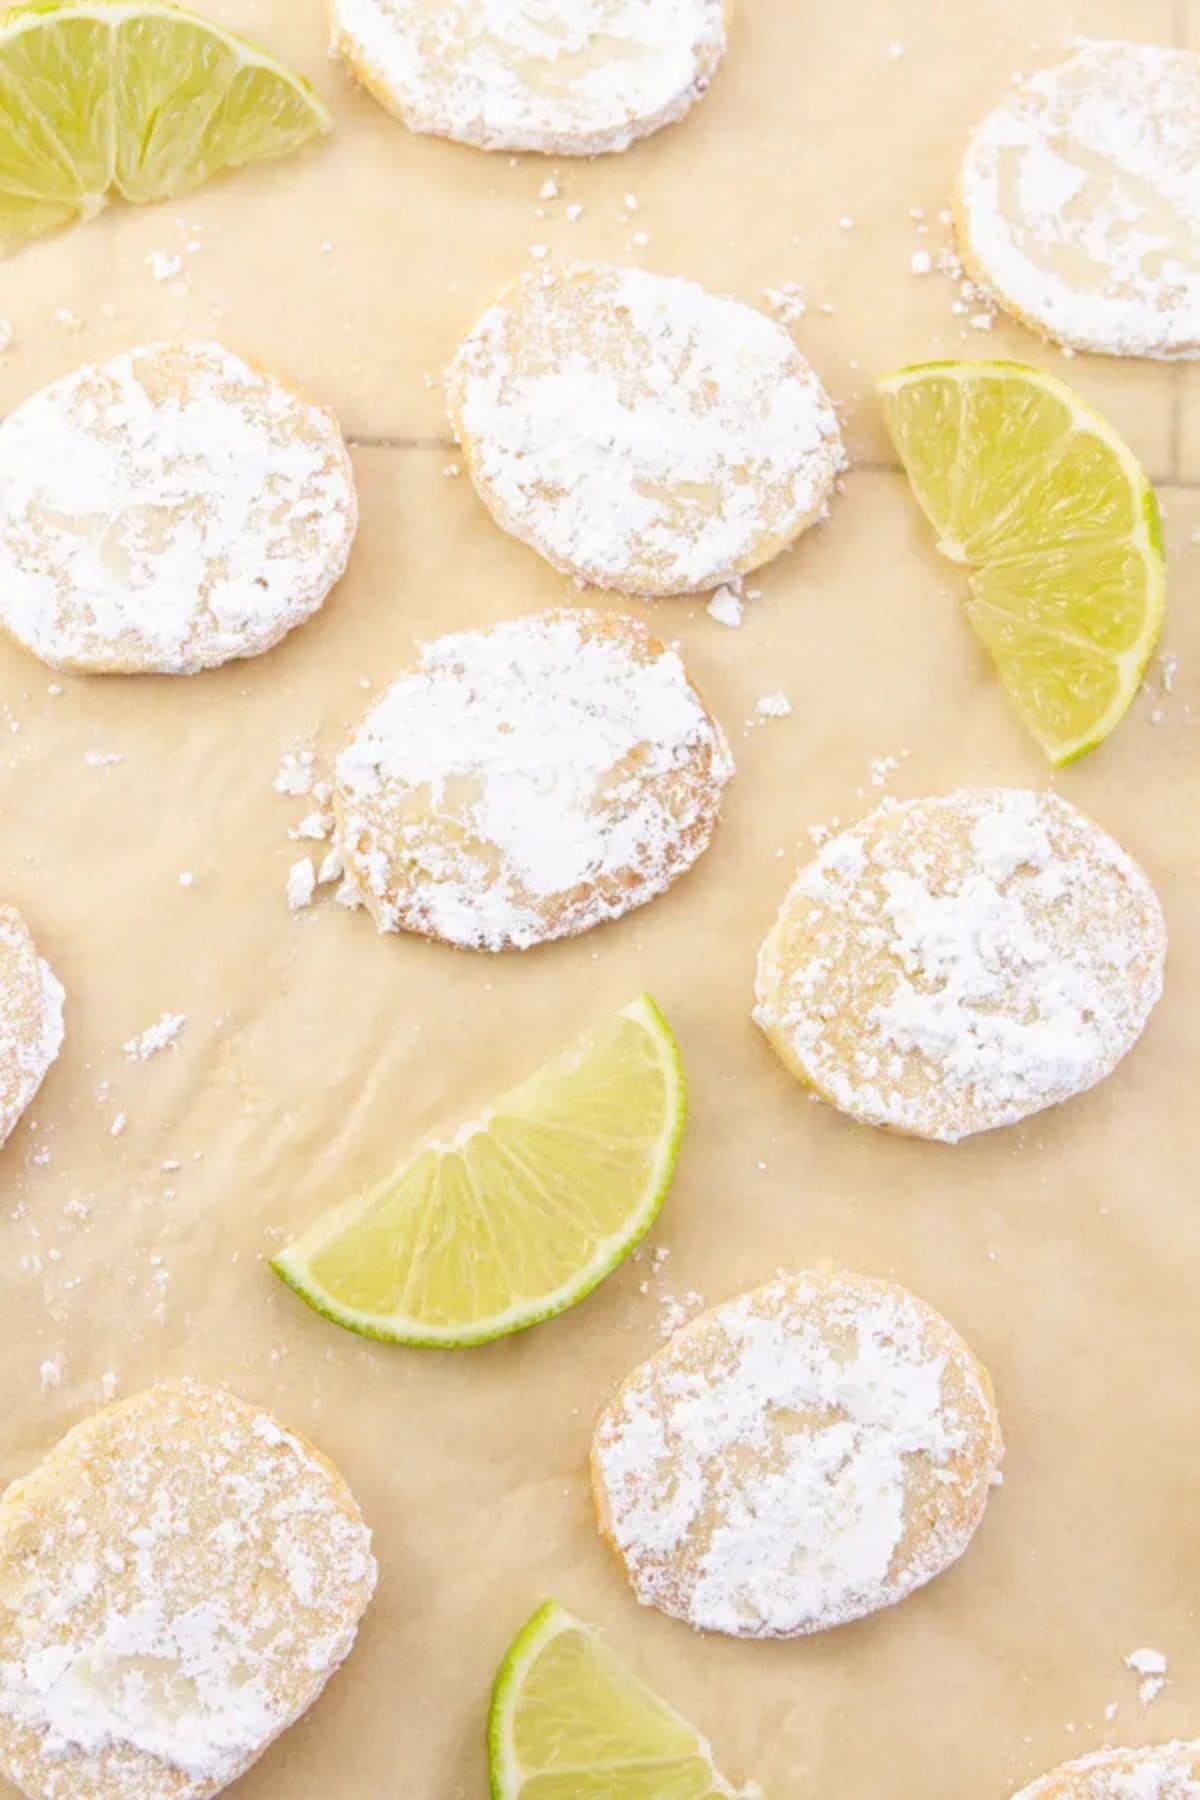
1058	523
523	1213
569	1721
146	101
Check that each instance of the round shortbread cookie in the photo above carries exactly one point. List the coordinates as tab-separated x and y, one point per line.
641	433
797	1458
31	1018
954	964
1078	205
528	782
178	1580
566	77
167	511
1159	1772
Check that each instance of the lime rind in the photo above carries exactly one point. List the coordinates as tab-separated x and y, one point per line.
506	1776
1145	539
293	1265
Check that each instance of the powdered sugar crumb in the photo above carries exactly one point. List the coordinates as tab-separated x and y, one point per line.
156	1037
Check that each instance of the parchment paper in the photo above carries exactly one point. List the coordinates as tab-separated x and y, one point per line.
315	1052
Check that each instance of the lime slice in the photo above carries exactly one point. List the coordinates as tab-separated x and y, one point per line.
569	1721
146	100
1059	525
523	1213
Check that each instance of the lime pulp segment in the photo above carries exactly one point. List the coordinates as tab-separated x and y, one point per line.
1059	526
148	101
523	1213
570	1721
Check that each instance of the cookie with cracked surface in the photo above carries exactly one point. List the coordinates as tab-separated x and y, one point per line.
529	781
639	432
178	1579
955	964
167	511
1077	204
797	1458
564	77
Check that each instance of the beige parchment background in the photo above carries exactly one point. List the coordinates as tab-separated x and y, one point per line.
315	1052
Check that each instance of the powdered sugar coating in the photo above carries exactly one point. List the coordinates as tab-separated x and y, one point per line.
31	1018
952	965
639	432
1079	201
178	1580
797	1458
567	77
528	782
167	511
1158	1772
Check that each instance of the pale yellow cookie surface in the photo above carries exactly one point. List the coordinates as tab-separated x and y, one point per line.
1158	1772
1077	202
955	964
640	432
31	1018
168	511
178	1579
528	782
797	1458
566	77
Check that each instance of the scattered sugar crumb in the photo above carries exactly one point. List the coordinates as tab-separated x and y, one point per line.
673	1312
787	302
1110	1711
108	1384
896	51
156	1037
726	607
846	222
1151	1665
55	688
314	825
67	320
295	772
1168	667
164	265
773	706
574	211
539	251
6	335
549	189
451	469
301	882
51	1372
186	878
118	1125
348	894
921	263
640	239
632	203
102	759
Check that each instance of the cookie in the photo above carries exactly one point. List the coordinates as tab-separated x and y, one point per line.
167	511
566	77
529	781
1077	202
178	1580
640	433
1159	1772
955	964
31	1018
797	1458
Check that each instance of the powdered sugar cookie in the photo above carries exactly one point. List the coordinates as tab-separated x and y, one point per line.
178	1580
528	782
641	433
797	1458
951	965
167	511
1078	204
568	77
31	1018
1160	1772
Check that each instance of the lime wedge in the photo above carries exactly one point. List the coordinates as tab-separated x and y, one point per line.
148	101
1059	525
569	1721
523	1213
